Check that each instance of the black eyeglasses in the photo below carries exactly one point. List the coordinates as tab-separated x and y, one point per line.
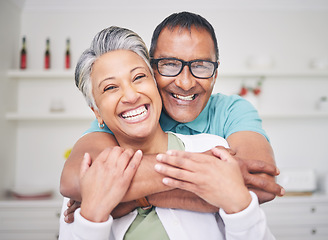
171	67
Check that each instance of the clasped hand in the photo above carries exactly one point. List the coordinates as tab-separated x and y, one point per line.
201	173
105	182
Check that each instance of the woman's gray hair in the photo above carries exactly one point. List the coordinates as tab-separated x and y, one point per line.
107	40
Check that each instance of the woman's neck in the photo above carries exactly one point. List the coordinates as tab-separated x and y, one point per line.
152	144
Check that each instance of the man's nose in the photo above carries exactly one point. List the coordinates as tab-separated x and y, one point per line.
185	80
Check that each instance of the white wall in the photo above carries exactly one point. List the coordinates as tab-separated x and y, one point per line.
292	35
9	13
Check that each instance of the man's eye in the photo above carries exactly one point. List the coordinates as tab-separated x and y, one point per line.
200	66
170	64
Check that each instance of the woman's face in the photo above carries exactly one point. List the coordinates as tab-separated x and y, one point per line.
125	94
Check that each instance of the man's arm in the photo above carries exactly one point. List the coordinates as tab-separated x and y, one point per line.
252	152
146	181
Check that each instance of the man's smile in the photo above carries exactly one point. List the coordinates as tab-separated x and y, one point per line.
185	98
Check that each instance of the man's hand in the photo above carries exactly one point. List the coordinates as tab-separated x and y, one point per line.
259	177
72	205
256	161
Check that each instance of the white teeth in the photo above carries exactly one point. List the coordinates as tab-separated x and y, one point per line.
186	98
136	113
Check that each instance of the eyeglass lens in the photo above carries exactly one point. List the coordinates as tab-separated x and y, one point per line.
173	67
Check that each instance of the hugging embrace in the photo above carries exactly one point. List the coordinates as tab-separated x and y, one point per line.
165	159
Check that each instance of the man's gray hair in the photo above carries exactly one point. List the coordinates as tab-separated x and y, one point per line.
107	40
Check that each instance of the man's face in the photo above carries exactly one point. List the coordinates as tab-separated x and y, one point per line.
184	96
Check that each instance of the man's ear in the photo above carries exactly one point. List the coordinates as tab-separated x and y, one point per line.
216	74
217	70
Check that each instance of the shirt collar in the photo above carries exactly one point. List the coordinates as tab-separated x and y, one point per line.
198	125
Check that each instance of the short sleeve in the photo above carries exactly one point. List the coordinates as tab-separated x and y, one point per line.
240	115
95	128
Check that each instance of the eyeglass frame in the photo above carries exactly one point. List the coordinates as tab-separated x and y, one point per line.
184	63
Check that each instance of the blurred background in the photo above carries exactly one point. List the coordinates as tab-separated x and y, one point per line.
279	46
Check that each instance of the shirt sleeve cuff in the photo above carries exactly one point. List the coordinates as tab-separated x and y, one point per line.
85	229
242	221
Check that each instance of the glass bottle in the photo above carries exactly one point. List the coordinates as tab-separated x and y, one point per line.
67	55
47	55
23	55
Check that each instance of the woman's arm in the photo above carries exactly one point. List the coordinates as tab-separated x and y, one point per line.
103	184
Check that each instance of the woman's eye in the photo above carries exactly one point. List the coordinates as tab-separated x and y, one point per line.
139	77
109	88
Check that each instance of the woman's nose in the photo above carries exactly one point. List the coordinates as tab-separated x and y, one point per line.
130	94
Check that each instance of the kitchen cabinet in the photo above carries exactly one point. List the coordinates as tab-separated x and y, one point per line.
49	116
29	219
301	218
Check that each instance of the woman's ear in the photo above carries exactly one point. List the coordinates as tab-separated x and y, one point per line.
97	114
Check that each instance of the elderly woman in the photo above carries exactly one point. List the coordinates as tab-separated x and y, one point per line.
117	81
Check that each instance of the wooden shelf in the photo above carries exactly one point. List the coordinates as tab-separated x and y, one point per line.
50	74
47	116
303	115
13	202
274	74
41	74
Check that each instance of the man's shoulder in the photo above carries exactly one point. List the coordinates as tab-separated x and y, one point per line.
223	99
220	103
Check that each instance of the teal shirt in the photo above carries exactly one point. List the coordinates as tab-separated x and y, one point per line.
222	116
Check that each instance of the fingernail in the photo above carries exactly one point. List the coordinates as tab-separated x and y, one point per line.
278	171
169	152
159	157
66	219
165	181
283	191
65	213
85	155
158	167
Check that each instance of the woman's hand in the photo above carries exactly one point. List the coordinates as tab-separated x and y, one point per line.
105	181
218	180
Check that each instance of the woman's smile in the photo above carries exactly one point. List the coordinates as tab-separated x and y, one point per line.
136	115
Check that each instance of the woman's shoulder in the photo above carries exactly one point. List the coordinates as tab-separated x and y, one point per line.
201	142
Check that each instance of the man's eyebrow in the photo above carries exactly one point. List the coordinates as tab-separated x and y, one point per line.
198	58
